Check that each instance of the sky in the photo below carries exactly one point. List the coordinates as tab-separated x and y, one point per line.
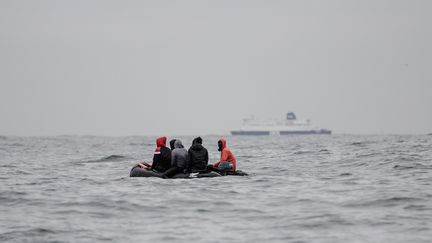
199	67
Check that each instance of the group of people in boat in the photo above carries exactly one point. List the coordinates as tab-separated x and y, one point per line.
177	159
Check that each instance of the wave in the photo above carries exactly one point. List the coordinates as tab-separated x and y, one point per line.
16	145
143	144
417	207
9	166
111	158
13	197
403	167
31	233
366	155
413	166
303	152
388	202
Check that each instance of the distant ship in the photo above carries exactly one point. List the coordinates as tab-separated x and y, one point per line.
289	126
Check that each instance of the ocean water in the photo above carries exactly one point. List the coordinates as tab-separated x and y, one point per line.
338	188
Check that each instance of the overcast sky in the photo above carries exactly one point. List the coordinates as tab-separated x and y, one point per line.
199	67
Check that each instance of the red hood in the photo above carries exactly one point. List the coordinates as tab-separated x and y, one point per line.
224	143
160	142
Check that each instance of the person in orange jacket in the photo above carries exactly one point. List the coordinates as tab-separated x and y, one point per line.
227	160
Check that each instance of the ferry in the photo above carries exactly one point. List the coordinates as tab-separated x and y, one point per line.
288	126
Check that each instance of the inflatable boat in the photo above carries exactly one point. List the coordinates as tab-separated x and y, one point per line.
147	172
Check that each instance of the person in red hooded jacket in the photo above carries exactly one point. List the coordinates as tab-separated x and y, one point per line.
161	157
227	160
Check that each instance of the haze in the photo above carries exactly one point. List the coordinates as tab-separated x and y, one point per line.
199	67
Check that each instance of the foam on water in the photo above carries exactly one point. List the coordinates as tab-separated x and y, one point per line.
337	188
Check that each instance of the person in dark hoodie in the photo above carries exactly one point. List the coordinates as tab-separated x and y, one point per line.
161	156
172	144
179	160
198	156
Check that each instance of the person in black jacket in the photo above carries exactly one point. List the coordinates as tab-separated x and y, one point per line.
198	156
162	156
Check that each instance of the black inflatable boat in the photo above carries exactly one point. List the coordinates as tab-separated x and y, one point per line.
146	172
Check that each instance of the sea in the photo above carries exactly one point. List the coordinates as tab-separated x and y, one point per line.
317	188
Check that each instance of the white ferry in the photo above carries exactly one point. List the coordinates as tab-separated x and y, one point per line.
289	126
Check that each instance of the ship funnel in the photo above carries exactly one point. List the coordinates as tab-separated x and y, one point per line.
291	116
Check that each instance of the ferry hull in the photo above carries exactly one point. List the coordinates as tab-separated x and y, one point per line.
251	133
305	132
282	133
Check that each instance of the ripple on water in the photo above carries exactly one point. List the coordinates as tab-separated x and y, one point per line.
110	158
413	166
35	233
386	202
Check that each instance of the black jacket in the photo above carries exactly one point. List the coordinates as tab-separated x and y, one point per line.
162	160
198	158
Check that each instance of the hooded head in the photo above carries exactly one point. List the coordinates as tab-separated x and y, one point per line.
197	144
172	143
222	144
160	142
197	140
178	144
